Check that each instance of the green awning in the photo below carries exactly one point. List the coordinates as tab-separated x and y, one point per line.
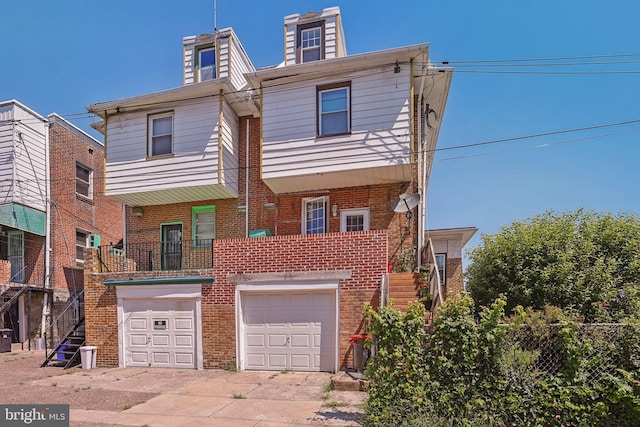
23	218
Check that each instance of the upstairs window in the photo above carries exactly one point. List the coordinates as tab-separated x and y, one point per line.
310	45
203	225
441	262
314	215
84	181
82	242
334	104
160	134
206	64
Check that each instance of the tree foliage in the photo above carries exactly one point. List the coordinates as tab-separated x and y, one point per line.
582	261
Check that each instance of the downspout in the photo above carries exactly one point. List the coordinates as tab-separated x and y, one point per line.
246	182
47	232
421	170
220	141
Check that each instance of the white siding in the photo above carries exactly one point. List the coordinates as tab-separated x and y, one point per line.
22	157
333	39
380	132
230	135
195	148
223	57
6	160
189	64
330	37
240	64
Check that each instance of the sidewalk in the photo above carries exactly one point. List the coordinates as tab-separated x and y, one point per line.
174	397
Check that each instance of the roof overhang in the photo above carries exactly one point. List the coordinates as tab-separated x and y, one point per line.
346	64
182	94
464	234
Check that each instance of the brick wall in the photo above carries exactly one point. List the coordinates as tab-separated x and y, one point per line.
453	270
70	211
363	254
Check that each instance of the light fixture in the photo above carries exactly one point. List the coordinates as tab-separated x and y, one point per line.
269	206
334	210
137	211
241	208
396	69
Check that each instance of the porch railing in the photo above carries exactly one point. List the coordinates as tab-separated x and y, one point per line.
435	283
157	256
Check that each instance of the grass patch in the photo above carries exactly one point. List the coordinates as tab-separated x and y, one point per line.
125	407
238	396
335	404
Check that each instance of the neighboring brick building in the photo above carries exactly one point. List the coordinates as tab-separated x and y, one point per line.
263	205
53	207
448	244
81	214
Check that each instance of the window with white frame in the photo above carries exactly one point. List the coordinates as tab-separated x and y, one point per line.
334	105
309	42
206	64
82	242
441	262
314	215
354	220
203	225
84	181
160	134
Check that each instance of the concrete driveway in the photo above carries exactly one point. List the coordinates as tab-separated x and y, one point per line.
172	397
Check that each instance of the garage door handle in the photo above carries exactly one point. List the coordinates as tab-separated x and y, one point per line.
287	340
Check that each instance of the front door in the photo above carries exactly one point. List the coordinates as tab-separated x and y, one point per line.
15	255
172	247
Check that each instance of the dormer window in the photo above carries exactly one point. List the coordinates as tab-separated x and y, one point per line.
206	64
310	44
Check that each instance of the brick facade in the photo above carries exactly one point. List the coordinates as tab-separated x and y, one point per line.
362	254
70	211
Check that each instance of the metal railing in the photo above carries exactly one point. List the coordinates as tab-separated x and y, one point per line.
157	256
65	321
435	282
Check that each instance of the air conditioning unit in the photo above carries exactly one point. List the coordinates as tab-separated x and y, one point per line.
94	241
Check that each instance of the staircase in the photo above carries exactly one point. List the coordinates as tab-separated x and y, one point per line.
66	353
67	331
405	288
10	296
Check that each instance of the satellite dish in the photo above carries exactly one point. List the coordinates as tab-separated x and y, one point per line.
407	203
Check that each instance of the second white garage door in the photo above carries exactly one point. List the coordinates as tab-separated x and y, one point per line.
159	333
289	330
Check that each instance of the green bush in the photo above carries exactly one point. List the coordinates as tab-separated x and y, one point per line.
470	371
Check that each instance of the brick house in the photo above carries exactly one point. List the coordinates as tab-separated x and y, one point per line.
263	205
49	195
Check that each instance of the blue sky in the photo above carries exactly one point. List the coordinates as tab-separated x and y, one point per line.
60	56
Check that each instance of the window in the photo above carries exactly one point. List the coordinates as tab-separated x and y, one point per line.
441	262
206	64
203	219
354	220
314	215
309	45
82	242
84	181
160	134
333	109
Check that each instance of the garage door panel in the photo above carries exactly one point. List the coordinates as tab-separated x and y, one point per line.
289	330
184	359
183	323
161	358
137	339
160	340
140	357
137	324
298	340
277	361
277	340
184	340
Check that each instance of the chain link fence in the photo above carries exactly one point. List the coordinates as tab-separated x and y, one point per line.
605	348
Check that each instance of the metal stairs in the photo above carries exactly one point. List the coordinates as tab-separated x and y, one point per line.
66	353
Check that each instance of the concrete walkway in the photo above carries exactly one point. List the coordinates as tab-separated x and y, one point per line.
172	397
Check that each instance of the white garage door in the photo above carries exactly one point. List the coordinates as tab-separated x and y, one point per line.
293	330
159	333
